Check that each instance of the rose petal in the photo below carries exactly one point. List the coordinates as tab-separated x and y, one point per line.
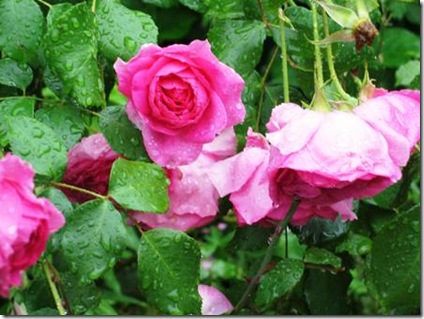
214	302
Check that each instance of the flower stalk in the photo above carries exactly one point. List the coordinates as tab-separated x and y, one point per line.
284	66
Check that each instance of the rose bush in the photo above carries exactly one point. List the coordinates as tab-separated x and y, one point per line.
26	222
180	97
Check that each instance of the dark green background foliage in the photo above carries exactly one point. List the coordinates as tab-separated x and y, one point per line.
57	85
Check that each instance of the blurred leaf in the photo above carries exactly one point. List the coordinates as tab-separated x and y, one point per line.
121	134
320	230
326	294
162	3
250	238
371	218
319	256
92	239
11	107
175	23
238	43
71	52
139	186
355	245
14	74
123	31
408	74
168	268
395	260
279	281
22	26
65	121
392	46
58	199
36	143
44	312
37	295
196	5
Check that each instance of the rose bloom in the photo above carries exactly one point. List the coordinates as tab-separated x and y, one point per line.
26	222
326	159
180	97
214	302
245	176
192	196
89	165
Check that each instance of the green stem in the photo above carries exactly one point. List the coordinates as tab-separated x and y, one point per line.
330	61
45	3
81	190
53	289
319	78
93	6
262	88
284	67
268	254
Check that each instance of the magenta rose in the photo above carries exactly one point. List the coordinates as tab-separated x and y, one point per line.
89	165
326	158
180	97
192	196
214	302
26	222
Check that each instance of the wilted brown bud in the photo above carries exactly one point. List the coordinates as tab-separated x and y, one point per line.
364	33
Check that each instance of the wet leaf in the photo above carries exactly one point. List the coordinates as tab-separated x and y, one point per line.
168	268
92	239
123	31
139	186
14	74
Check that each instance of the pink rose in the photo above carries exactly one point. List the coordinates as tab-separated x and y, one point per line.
180	97
396	115
89	165
244	176
26	221
214	302
193	198
326	159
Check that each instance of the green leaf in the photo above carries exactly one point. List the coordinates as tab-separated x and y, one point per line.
408	74
279	281
238	43
395	260
79	297
92	239
10	107
13	74
355	245
71	52
123	31
319	256
409	46
121	134
195	5
36	143
22	26
44	312
65	121
326	293
345	17
139	186
168	268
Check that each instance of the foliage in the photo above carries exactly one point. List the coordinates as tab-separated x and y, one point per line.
57	85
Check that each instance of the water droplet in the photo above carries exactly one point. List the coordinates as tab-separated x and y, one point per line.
130	44
89	101
38	133
54	36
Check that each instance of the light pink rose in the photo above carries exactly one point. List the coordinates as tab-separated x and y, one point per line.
214	302
26	222
192	196
396	115
326	159
244	176
89	165
180	97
